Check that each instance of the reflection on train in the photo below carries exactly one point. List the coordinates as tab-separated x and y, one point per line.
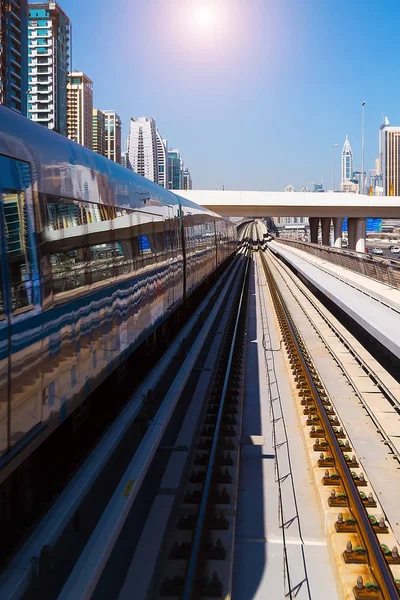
93	258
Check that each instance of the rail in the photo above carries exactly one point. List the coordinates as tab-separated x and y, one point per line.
299	357
358	358
384	270
192	567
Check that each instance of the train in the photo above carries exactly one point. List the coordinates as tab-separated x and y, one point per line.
93	258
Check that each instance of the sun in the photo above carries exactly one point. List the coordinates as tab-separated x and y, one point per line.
204	16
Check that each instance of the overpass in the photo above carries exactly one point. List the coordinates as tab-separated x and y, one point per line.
316	206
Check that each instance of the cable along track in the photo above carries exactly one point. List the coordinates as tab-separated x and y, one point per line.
332	444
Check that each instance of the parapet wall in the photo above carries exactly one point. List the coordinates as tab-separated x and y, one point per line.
384	270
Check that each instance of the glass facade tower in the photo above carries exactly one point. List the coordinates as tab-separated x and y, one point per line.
14	55
175	170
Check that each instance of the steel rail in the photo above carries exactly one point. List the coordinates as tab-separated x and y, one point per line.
378	565
191	572
371	374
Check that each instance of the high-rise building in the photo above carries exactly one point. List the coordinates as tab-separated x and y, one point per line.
347	162
175	170
162	160
112	126
389	158
187	179
48	64
80	109
14	54
142	147
125	160
99	132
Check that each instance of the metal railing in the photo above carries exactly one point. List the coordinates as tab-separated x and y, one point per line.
384	270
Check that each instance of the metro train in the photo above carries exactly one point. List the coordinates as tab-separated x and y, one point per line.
93	258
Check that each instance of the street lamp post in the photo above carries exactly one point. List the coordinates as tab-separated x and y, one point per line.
362	147
333	165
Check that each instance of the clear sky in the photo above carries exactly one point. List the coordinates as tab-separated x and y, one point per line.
255	94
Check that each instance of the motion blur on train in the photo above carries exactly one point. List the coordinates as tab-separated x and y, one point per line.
93	258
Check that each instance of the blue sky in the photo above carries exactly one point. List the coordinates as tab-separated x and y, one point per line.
258	102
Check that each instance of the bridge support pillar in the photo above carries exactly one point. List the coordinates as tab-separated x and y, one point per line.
351	228
361	233
314	223
326	230
337	231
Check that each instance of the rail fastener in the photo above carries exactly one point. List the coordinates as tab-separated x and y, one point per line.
369	591
347	525
354	555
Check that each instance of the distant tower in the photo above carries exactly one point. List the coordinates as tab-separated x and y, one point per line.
162	157
49	39
187	180
99	132
112	126
80	109
14	55
389	158
347	162
175	170
142	148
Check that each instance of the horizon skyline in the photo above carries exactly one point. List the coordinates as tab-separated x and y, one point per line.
187	80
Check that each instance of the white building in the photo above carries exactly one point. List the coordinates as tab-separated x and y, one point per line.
80	109
142	147
162	159
48	65
347	163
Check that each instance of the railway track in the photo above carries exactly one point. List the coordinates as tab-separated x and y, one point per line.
85	523
328	438
199	550
315	312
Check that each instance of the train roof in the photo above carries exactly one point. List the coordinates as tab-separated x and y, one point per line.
61	167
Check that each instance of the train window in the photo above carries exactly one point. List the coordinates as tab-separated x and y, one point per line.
91	243
17	245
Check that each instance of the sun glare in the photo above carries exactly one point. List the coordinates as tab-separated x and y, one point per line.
204	17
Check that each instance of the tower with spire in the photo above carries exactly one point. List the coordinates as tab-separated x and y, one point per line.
347	162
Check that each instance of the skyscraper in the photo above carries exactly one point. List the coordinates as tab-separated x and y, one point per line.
142	147
99	132
112	126
80	109
162	159
48	65
347	162
175	170
14	55
187	179
389	158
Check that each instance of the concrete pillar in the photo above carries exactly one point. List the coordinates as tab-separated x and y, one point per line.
314	223
326	230
361	232
352	226
337	231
